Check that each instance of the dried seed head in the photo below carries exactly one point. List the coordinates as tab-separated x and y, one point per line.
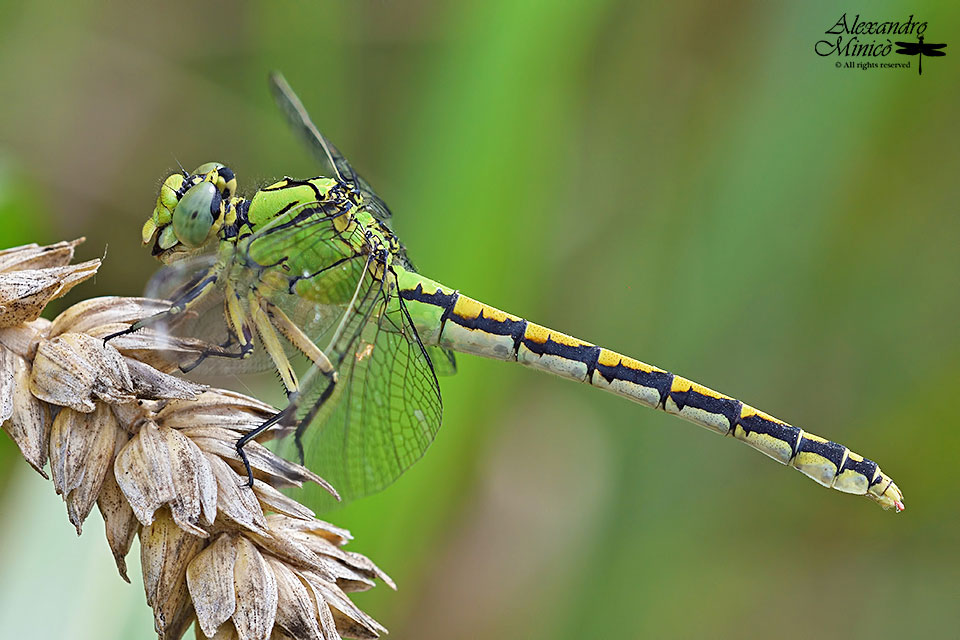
25	419
157	454
31	276
241	589
102	317
74	370
82	448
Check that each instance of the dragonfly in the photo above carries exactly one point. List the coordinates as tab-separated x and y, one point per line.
313	266
920	49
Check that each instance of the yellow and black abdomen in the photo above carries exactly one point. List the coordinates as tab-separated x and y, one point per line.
460	323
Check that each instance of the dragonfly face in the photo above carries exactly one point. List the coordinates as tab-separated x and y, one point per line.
190	210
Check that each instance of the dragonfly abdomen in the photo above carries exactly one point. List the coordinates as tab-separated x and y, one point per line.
455	321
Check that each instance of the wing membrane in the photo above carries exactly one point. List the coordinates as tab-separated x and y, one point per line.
385	409
330	158
205	320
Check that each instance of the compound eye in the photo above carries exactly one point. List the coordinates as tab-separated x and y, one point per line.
195	214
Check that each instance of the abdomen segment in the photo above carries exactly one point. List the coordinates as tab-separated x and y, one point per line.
460	323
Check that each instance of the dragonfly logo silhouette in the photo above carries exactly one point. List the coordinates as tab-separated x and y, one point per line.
920	49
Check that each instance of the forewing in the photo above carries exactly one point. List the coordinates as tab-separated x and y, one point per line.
204	320
331	160
307	257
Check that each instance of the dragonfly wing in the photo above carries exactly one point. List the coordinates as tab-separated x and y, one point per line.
203	321
318	265
171	280
385	409
444	361
331	160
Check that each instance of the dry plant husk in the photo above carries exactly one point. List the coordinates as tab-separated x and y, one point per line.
157	455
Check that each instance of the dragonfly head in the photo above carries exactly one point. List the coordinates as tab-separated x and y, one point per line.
190	210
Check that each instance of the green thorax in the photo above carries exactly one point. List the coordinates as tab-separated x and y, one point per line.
310	236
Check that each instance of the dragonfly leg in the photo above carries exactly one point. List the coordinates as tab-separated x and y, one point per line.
183	303
281	417
271	343
221	351
238	324
277	418
239	328
297	337
303	423
265	317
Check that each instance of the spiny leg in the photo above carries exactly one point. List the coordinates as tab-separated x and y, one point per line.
265	317
322	364
297	337
312	413
186	301
271	344
238	327
281	417
221	351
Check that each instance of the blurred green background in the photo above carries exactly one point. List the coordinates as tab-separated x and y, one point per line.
689	184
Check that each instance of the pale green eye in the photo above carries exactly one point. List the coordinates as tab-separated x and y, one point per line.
195	214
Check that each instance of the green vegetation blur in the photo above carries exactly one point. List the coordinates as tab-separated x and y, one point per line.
687	183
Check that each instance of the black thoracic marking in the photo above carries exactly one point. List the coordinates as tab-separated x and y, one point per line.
289	183
659	380
581	353
226	173
286	207
727	407
866	467
240	207
830	450
216	204
780	431
306	183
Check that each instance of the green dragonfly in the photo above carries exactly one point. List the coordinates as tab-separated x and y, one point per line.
313	266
